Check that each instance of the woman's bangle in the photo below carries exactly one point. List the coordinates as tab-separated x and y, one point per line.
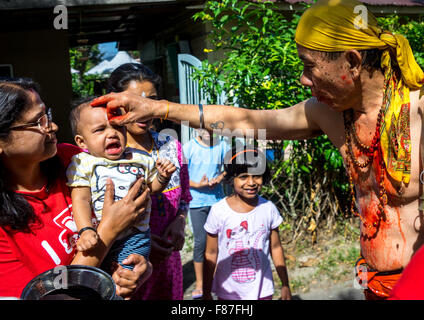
85	229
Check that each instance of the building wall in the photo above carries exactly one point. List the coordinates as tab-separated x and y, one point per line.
44	57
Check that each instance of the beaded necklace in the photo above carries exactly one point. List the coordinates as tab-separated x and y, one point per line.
370	152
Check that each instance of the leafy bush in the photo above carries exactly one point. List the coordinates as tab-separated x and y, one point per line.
82	59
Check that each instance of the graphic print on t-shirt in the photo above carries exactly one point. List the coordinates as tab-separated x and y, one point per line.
245	260
65	222
123	176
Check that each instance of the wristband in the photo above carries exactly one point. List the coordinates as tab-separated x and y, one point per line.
201	118
163	180
85	229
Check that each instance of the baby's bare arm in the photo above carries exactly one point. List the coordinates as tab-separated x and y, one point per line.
81	206
81	209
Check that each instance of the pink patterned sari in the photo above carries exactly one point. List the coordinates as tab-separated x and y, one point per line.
166	281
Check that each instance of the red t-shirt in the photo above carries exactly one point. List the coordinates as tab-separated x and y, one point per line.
51	242
411	285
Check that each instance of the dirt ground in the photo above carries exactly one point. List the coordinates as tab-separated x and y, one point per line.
319	271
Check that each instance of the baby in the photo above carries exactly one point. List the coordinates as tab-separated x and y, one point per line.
106	156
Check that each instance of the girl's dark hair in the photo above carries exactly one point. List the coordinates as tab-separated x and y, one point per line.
15	211
241	160
124	74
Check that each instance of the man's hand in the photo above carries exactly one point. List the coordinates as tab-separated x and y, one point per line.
127	281
120	214
136	108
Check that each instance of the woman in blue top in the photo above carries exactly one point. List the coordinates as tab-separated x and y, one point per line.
205	158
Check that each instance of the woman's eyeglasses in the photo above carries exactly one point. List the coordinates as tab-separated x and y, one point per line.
43	123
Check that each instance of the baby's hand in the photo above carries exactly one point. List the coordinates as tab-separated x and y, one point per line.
87	241
165	168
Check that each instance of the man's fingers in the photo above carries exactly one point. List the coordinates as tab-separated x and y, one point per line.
141	201
109	192
147	273
141	271
125	287
133	259
135	188
103	100
113	104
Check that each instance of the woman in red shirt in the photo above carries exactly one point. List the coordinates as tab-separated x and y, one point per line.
37	231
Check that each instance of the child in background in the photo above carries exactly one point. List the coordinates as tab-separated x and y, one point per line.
88	173
242	232
205	162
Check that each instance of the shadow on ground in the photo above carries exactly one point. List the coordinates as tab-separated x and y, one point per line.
345	291
188	276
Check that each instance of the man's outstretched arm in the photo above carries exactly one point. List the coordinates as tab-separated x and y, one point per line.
296	122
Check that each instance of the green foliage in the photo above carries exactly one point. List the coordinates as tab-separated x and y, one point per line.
413	30
84	87
261	68
82	59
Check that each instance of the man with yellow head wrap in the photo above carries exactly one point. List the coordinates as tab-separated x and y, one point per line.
335	26
366	86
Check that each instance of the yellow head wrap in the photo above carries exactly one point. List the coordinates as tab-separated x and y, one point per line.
340	25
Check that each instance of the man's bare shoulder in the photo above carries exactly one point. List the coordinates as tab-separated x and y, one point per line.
417	101
322	113
317	108
421	98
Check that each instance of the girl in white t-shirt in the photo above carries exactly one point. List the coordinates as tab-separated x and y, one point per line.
242	235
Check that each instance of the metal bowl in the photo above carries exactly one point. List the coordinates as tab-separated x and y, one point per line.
74	282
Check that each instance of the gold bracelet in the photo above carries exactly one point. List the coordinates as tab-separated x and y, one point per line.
167	111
